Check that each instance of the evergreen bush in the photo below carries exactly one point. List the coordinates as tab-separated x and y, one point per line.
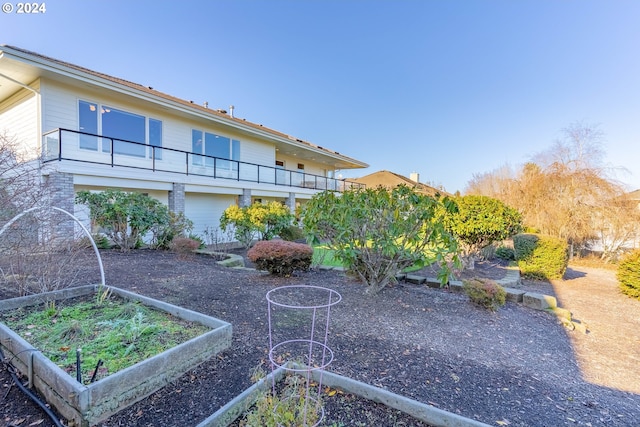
292	233
505	253
281	258
628	274
541	257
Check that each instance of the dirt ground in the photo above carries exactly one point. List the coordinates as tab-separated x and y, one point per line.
516	367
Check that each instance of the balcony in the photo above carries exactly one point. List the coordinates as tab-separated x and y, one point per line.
70	145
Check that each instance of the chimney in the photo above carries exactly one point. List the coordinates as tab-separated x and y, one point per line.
231	107
414	176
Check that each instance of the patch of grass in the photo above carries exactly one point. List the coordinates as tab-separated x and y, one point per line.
322	255
118	332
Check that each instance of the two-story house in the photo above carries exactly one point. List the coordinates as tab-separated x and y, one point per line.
94	131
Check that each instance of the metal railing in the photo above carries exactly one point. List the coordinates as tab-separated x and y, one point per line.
71	145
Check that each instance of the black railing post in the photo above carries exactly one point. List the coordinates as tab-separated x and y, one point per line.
112	151
187	162
215	167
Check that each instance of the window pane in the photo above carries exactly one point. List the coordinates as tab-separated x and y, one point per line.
216	146
235	153
155	137
196	146
124	126
88	118
235	149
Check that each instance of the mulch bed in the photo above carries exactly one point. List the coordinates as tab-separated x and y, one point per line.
515	367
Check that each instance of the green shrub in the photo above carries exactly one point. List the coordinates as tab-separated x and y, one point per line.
279	257
628	274
292	233
541	257
176	224
485	293
102	241
125	218
263	221
376	233
505	253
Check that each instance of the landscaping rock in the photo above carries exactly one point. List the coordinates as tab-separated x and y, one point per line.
418	280
514	295
539	301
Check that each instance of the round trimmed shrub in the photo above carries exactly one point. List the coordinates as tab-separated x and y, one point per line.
281	258
628	274
485	293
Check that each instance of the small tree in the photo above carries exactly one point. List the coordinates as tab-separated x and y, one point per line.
124	217
263	221
480	221
376	232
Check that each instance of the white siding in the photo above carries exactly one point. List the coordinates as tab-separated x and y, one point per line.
19	121
291	163
205	210
59	107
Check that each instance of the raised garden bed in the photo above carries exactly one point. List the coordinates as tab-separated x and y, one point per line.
416	412
85	405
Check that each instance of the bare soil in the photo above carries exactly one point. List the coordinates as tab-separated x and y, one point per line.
516	367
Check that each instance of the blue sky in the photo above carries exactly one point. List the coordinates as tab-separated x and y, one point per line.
447	89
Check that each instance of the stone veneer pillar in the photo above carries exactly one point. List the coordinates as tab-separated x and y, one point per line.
176	198
291	202
245	199
62	196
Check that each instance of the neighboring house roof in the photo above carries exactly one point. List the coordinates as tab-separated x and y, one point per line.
58	67
389	179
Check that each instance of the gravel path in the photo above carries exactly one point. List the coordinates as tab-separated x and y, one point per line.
609	354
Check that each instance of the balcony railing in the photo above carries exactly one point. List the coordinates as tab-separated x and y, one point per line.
65	144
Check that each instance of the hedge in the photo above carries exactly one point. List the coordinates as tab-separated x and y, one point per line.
541	257
628	274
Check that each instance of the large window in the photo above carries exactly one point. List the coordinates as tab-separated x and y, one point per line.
211	145
88	113
155	137
122	127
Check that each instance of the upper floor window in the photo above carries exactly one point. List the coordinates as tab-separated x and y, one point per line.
88	113
118	127
212	145
123	126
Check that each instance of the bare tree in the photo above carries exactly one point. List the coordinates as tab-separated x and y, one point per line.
30	261
567	191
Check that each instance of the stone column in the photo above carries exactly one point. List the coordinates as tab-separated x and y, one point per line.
245	199
291	202
176	198
62	196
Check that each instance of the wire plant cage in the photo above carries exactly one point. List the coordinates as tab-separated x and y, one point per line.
299	323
